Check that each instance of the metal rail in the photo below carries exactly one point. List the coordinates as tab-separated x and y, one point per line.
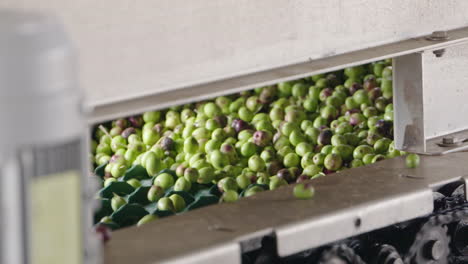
346	204
204	91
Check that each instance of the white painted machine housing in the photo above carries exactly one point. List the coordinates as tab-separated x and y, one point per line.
145	47
132	51
143	55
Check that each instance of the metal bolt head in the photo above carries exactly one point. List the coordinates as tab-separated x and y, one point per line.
441	34
448	140
438	35
439	53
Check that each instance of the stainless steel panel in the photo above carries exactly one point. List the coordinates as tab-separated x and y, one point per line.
134	48
430	99
104	112
408	100
355	192
349	222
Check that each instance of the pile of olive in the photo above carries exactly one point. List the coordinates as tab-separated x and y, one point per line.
170	161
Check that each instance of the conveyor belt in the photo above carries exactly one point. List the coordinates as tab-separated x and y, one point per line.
349	203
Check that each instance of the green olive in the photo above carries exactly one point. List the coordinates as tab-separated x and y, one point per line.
412	160
146	219
242	181
356	163
135	183
368	158
106	220
303	191
296	137
230	196
166	204
253	190
256	163
206	175
218	159
326	149
178	202
345	151
291	160
118	170
312	170
276	182
164	180
191	175
307	159
211	110
245	114
152	163
153	116
108	181
190	145
333	162
378	157
302	148
117	202
381	146
248	149
360	151
287	128
182	184
319	159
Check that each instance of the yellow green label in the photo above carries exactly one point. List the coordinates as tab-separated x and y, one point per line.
56	219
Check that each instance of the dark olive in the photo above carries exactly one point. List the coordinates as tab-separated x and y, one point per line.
127	132
302	178
273	167
221	120
268	94
239	125
354	87
324	137
167	143
122	123
136	121
370	84
285	174
262	138
375	93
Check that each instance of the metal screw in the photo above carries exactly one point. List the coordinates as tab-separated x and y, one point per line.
438	36
439	53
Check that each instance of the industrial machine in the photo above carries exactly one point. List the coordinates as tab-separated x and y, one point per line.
163	54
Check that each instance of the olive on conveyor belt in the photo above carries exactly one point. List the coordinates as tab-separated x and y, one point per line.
220	150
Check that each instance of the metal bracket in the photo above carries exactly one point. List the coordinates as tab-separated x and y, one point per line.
428	99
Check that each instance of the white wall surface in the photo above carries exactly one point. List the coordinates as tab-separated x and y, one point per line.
131	48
